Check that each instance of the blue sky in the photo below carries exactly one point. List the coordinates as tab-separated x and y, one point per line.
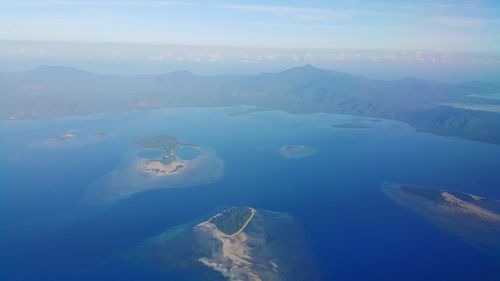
470	26
431	39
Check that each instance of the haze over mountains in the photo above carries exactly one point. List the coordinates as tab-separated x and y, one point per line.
466	110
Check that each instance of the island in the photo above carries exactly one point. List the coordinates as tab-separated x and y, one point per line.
70	139
64	137
296	151
169	163
299	90
469	217
239	243
100	134
154	163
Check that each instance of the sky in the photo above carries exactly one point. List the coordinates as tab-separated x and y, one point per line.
228	31
423	25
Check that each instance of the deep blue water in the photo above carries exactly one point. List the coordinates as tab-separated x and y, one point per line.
353	230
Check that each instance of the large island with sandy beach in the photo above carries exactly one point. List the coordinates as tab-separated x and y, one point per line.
239	243
156	163
472	218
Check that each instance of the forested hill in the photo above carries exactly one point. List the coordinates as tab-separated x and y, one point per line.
466	110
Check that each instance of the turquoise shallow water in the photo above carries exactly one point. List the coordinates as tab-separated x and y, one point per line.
354	231
187	153
152	154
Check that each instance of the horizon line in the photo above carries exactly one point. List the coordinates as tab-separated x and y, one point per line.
237	47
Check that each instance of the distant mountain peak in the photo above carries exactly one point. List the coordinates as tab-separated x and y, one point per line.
309	71
182	73
46	67
178	74
308	66
59	69
305	68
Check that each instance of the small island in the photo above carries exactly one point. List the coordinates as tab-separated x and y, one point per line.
100	134
296	151
239	243
64	137
169	163
155	163
469	217
71	139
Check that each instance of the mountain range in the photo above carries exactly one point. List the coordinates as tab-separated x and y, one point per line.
468	110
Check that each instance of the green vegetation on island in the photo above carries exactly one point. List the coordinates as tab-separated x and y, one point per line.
167	143
233	220
298	90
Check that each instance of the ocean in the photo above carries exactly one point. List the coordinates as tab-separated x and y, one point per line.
353	230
